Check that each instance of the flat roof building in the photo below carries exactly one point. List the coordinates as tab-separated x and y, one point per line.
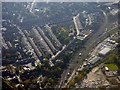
94	59
104	51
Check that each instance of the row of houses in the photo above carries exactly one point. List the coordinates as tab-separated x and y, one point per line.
41	42
54	38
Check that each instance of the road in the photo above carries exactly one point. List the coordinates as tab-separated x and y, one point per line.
95	42
73	73
89	44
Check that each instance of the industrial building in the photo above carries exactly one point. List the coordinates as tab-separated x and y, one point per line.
94	60
104	51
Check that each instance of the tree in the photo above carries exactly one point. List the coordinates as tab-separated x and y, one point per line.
46	62
51	81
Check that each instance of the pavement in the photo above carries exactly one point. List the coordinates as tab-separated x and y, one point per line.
95	78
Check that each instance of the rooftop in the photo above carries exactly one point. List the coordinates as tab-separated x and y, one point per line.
95	59
104	51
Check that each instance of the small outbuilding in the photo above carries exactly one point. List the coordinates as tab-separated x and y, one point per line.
106	68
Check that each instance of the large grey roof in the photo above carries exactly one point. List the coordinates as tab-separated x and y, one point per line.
104	51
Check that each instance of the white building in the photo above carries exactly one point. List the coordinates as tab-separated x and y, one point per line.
104	51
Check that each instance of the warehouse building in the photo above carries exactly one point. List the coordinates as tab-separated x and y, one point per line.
94	60
105	51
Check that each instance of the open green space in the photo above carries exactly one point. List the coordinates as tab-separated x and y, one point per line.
112	66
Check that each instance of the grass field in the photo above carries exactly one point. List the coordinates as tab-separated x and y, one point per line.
112	66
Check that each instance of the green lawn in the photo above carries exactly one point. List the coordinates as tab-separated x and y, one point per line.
112	66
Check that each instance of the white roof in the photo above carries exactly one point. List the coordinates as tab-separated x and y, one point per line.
106	68
104	51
